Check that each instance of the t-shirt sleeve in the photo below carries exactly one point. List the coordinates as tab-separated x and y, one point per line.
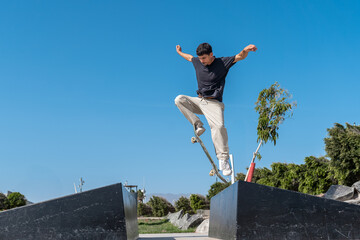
228	62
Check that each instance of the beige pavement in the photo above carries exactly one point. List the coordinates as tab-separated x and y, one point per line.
176	236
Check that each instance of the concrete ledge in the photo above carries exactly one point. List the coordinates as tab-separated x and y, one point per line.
252	211
104	213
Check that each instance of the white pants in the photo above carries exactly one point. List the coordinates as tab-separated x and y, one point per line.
213	110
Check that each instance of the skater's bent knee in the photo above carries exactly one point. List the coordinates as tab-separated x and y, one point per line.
179	99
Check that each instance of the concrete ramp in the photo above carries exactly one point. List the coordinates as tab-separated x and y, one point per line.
252	211
104	213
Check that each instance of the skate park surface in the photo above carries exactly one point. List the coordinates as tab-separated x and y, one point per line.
175	236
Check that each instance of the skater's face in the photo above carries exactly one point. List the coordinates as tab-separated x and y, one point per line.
206	59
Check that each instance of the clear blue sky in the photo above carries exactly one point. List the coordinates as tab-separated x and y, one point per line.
88	87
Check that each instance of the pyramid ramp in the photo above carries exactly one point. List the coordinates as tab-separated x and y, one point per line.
103	213
252	211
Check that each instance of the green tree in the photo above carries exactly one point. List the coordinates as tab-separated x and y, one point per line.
261	173
216	188
273	107
3	201
313	177
317	177
160	206
293	176
144	210
15	199
140	196
281	175
198	202
343	147
183	203
240	176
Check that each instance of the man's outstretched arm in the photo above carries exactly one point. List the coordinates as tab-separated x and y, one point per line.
243	54
184	55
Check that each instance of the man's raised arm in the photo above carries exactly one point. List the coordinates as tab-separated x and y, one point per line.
243	54
184	55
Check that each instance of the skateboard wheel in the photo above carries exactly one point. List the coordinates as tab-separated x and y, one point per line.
193	140
212	172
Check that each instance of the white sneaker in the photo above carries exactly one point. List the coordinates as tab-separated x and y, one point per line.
224	166
221	164
200	131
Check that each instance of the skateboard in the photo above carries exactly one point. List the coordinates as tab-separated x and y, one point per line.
214	170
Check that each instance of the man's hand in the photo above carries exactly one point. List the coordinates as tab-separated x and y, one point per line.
178	48
184	55
250	47
243	54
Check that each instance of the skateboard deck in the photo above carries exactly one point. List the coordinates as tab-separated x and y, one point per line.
214	170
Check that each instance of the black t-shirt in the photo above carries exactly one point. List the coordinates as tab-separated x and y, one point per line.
211	79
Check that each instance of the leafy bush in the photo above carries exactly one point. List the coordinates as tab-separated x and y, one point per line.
216	188
343	147
198	202
240	176
313	177
282	175
317	176
15	199
183	203
3	201
160	207
144	210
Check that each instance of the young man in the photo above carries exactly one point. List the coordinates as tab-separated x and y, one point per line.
210	73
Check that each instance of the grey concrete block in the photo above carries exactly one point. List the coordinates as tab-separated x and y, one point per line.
340	193
104	213
175	217
203	227
252	211
357	186
192	221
